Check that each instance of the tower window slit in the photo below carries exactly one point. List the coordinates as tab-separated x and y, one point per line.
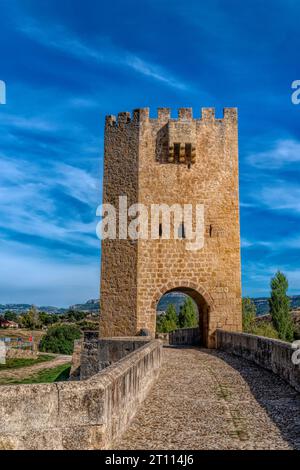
181	231
160	230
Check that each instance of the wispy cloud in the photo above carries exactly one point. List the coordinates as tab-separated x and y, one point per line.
27	275
246	243
60	39
280	196
260	274
283	152
32	123
28	204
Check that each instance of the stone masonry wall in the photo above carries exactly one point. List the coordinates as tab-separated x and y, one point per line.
184	336
12	353
119	257
211	275
269	353
97	354
78	415
76	359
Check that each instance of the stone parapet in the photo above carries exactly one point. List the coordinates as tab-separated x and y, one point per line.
269	353
85	415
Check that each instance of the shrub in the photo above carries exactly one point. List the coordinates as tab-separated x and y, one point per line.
264	328
60	338
297	332
249	314
86	325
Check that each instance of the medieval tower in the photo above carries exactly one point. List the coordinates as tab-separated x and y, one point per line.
172	161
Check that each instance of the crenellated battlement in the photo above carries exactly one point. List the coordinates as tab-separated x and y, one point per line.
164	115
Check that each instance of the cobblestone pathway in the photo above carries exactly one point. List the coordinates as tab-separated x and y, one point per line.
210	400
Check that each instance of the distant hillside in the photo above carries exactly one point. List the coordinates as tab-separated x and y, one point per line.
91	306
262	304
23	308
176	298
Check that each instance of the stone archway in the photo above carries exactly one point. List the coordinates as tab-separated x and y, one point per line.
202	299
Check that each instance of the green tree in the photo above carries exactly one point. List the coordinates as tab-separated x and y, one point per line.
75	315
167	321
249	314
280	307
60	339
47	319
31	319
187	316
10	316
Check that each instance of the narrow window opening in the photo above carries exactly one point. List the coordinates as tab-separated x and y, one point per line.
188	152
160	230
176	151
181	231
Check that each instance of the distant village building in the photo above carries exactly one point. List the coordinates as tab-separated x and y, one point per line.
8	323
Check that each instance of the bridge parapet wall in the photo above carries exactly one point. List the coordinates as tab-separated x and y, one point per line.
78	415
272	354
185	336
97	354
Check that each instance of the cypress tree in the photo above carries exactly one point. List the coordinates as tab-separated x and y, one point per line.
280	307
187	316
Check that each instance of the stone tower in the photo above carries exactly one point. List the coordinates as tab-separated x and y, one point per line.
167	161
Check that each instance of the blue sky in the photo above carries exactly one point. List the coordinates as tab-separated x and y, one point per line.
68	64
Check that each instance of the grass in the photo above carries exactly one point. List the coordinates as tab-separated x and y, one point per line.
56	374
20	362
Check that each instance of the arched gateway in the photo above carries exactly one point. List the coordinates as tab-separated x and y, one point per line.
166	161
202	299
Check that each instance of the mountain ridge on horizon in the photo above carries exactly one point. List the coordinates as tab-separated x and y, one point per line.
92	305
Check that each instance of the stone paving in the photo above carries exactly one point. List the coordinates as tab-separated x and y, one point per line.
207	399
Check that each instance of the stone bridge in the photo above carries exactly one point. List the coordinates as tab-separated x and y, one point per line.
207	399
138	395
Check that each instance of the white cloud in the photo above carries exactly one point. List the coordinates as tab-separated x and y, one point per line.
28	206
83	102
32	123
30	277
62	40
281	196
259	276
77	182
41	275
283	152
246	243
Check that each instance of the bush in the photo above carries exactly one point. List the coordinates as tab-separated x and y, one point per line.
86	325
59	339
249	314
264	328
297	332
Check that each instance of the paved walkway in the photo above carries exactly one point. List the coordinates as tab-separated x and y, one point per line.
23	372
210	400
